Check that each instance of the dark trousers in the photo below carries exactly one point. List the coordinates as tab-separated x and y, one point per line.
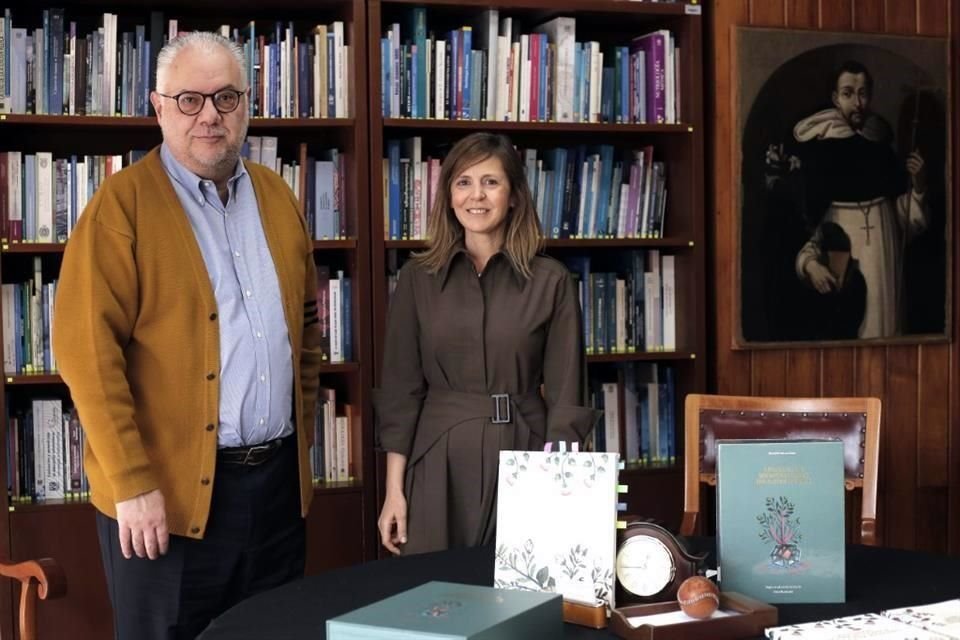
255	540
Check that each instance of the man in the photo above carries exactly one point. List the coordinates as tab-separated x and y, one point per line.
186	329
849	175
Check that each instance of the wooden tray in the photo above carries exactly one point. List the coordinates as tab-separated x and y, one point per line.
752	618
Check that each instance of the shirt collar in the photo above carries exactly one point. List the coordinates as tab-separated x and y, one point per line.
191	181
461	250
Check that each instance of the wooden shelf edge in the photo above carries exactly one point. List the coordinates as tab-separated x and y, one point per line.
641	356
673	242
33	247
32	378
549	127
342	243
135	122
583	6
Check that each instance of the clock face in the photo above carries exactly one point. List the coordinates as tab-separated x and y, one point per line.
644	566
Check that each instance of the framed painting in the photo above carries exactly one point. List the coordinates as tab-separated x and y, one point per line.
843	199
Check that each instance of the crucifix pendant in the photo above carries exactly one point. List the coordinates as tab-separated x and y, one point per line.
866	225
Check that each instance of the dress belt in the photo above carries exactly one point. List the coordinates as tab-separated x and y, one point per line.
444	409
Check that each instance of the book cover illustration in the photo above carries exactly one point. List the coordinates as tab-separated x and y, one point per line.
870	625
780	519
449	611
940	617
556	517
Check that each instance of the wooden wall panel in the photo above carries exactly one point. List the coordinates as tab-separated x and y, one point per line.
735	365
836	15
838	371
803	373
868	15
953	493
919	503
933	417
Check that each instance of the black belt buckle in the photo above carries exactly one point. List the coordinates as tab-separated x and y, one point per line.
501	408
255	451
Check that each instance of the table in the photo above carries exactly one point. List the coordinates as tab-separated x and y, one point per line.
877	578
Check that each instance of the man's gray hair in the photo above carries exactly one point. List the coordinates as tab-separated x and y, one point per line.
206	42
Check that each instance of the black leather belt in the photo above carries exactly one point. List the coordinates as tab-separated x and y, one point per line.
250	456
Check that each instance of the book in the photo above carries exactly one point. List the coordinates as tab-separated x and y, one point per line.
939	617
869	625
450	611
780	519
556	531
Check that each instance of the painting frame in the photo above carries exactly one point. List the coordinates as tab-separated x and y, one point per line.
802	280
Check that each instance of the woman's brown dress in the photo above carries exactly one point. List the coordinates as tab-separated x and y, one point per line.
454	341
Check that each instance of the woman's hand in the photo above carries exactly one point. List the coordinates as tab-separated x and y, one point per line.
393	521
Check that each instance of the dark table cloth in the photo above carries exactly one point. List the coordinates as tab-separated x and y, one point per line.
877	578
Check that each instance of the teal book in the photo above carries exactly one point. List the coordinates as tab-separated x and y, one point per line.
780	519
448	611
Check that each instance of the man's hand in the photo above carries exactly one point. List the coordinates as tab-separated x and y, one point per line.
820	277
918	175
143	526
393	521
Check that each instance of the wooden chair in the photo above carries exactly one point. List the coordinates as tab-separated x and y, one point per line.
42	578
855	421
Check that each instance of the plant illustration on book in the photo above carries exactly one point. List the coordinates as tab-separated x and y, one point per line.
779	526
575	565
567	467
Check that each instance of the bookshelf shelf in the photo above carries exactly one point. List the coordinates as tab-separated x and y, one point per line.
149	123
580	6
32	248
532	127
98	138
31	379
678	146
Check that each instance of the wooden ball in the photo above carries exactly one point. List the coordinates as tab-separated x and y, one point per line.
698	597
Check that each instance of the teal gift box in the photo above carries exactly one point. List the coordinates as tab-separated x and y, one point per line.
449	611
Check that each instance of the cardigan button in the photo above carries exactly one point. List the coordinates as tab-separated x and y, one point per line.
205	481
211	427
211	376
213	316
194	529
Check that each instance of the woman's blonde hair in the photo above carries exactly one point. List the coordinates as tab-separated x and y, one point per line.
522	238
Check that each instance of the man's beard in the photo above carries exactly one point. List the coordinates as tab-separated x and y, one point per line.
857	119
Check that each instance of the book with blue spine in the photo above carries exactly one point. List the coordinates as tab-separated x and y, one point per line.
780	519
449	611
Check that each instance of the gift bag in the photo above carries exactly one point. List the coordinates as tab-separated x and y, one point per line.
556	523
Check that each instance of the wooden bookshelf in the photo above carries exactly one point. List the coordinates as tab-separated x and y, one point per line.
655	491
341	521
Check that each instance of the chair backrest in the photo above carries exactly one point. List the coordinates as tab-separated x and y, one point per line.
41	578
855	421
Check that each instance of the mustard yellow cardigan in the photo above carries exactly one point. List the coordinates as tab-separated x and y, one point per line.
136	338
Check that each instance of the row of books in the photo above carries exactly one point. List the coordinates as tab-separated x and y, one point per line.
45	449
27	318
594	192
57	69
335	311
320	183
45	453
579	192
629	309
42	197
490	70
330	458
647	391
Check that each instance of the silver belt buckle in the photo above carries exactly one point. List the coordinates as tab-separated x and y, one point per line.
501	408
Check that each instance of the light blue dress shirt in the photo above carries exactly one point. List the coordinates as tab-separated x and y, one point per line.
256	371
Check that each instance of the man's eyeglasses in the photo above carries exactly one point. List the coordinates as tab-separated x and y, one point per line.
191	103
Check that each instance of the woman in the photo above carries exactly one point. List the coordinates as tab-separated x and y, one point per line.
477	324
